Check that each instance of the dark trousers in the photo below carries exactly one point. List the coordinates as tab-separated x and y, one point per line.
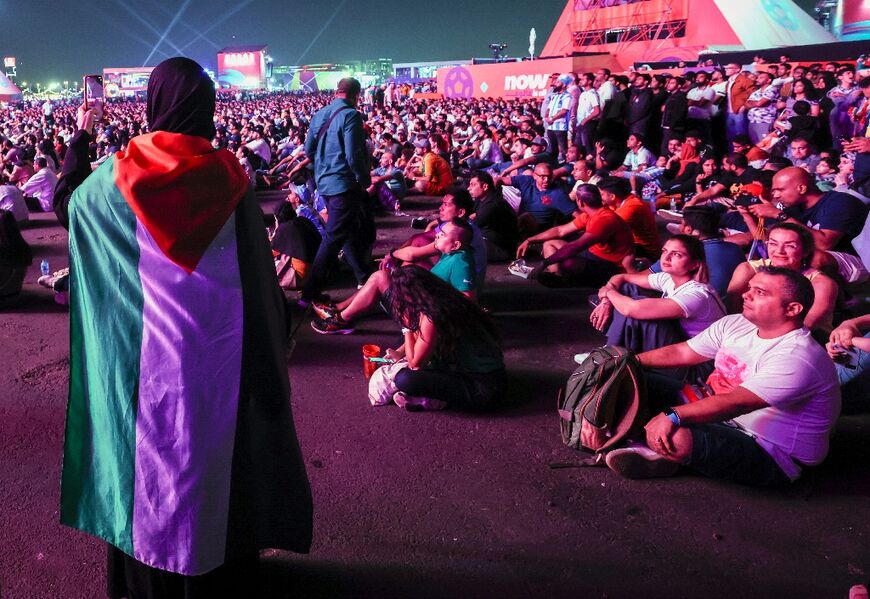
558	142
33	204
586	135
703	126
466	390
345	229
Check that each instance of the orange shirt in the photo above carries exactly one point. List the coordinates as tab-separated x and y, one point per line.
642	222
616	235
438	171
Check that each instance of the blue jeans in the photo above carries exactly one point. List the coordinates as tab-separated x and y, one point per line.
855	381
345	229
735	124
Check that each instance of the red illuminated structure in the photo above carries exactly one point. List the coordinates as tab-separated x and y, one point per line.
242	67
638	31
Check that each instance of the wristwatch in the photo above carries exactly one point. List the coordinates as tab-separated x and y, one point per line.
781	217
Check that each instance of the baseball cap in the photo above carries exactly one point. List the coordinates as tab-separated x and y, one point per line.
423	143
539	141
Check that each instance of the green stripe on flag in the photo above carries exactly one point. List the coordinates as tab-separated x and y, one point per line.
106	338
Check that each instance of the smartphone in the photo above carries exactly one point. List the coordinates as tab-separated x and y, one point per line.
92	86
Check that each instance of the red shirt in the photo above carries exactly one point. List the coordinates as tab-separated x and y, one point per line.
617	241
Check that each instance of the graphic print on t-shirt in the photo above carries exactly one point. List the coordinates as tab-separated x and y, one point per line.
729	373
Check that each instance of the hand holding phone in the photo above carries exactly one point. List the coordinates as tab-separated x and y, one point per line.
92	89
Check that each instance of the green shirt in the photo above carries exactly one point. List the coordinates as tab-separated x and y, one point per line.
457	269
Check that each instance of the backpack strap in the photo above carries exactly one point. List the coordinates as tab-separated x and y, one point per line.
322	132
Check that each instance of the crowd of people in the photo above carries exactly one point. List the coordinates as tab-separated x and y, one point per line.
760	172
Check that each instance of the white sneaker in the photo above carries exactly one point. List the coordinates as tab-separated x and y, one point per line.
672	215
418	404
639	461
580	358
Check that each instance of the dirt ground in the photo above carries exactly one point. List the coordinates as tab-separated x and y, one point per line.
449	504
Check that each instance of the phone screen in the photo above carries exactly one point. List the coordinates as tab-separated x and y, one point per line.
93	87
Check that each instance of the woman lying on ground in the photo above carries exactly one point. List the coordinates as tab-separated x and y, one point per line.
687	305
451	346
790	246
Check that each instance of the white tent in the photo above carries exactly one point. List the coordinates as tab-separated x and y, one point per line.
9	92
772	24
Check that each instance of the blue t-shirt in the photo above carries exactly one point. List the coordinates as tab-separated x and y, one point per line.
837	211
723	257
396	183
547	207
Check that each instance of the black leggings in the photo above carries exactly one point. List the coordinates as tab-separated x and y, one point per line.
467	390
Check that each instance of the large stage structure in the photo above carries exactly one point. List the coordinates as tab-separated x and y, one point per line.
619	34
647	31
243	67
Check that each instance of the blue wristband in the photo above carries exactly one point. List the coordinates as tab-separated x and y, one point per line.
673	416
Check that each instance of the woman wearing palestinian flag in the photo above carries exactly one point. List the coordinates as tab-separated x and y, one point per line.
180	446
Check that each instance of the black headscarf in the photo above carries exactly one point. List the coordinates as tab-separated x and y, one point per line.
181	98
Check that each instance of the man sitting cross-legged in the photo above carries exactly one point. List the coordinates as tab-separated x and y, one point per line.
456	267
775	395
604	244
456	203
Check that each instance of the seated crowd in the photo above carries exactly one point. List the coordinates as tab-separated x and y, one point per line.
761	174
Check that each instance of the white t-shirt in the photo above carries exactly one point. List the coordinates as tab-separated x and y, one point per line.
261	148
605	93
701	112
634	160
700	302
792	373
12	199
586	103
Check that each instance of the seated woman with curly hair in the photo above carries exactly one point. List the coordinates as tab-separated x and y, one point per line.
451	346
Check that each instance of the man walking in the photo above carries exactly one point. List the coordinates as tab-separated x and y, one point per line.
336	145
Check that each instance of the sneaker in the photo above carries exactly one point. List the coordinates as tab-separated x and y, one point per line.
673	215
303	301
418	404
332	326
325	310
580	358
639	461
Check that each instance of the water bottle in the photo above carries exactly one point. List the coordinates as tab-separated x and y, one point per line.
673	203
44	268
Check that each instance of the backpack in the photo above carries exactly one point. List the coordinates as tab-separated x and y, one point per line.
604	400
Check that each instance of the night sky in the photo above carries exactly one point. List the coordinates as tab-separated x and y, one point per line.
59	39
56	40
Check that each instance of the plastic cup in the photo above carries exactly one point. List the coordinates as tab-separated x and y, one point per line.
369	367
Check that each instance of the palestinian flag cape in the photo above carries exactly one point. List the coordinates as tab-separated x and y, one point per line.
180	446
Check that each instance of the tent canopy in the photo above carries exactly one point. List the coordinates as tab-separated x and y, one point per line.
9	92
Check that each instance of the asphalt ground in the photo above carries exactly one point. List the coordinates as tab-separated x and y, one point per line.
448	504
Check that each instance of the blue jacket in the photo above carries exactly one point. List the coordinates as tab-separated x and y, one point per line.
340	159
